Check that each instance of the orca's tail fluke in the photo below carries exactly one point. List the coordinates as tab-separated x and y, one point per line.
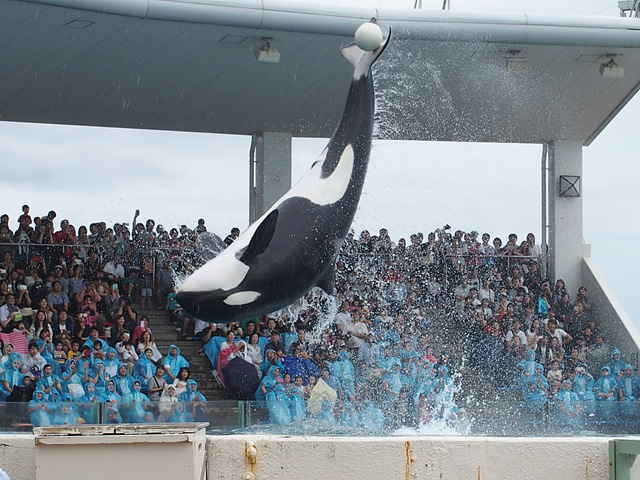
361	59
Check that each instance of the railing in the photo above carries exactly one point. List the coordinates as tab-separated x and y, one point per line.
227	416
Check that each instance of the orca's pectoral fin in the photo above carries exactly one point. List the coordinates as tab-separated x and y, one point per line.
328	281
261	238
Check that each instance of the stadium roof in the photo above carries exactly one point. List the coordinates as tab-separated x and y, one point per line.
191	66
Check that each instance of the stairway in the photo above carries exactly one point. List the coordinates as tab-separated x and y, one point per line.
165	335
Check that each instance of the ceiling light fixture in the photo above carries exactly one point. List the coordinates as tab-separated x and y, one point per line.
611	69
266	53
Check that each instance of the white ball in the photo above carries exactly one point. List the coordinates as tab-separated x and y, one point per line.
368	36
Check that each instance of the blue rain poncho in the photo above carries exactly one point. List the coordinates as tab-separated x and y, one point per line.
181	414
326	412
47	382
11	376
535	388
65	412
394	382
628	387
124	381
143	370
72	381
616	366
583	387
443	387
350	417
371	417
174	361
567	405
111	393
39	412
278	403
529	364
268	383
99	377
386	364
605	390
89	403
134	404
266	364
296	407
47	354
343	369
191	393
111	363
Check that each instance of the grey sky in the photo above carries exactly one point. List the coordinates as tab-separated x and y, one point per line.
90	174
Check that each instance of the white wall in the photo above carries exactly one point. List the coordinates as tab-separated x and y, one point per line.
455	458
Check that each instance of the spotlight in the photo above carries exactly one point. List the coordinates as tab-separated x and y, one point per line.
611	69
266	53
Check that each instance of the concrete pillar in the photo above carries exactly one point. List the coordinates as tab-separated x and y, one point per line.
270	171
565	216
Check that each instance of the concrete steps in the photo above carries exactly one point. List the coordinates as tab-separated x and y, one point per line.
165	335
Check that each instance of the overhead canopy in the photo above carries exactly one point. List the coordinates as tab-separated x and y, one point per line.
189	66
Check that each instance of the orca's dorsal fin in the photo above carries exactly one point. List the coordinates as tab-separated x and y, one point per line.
328	281
261	239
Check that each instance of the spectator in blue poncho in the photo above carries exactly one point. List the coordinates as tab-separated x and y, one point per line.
350	417
443	387
194	399
616	365
271	359
326	412
628	391
39	410
583	387
372	417
278	403
135	403
173	362
111	394
144	369
72	380
343	369
48	381
567	405
536	388
11	376
605	390
268	383
392	383
529	364
124	381
297	407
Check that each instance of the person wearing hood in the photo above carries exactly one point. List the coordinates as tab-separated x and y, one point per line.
349	417
89	403
536	388
567	405
278	405
325	414
605	390
111	363
392	383
583	384
372	417
194	399
73	381
123	381
268	383
529	364
65	412
173	362
628	390
343	369
48	381
144	369
616	365
39	411
443	387
113	400
167	404
297	408
11	377
271	359
134	403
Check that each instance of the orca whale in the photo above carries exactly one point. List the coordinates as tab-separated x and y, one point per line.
293	246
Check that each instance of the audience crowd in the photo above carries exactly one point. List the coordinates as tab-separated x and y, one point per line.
376	364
